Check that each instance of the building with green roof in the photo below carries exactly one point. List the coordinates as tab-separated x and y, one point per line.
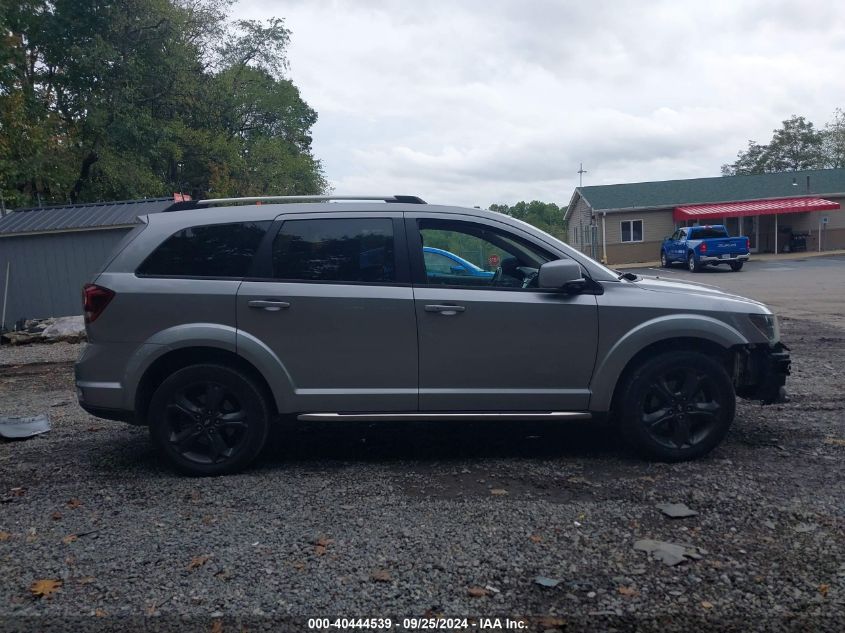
778	212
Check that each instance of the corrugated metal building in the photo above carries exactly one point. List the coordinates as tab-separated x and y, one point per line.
52	252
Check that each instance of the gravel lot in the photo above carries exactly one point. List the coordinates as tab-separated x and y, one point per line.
391	521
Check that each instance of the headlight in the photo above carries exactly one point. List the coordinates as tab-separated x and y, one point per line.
767	324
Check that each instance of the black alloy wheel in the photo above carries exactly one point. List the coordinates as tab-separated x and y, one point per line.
679	410
676	406
209	419
206	423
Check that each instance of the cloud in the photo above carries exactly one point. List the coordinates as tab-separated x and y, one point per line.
476	102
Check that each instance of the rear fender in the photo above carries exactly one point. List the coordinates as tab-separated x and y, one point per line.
213	335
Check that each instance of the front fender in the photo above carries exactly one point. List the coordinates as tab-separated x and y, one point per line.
663	328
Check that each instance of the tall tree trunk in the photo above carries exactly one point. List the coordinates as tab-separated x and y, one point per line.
84	172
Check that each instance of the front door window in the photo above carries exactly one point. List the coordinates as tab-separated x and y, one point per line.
467	254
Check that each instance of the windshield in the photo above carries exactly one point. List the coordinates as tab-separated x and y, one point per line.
704	232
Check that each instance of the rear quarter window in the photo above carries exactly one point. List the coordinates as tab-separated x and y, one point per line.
213	250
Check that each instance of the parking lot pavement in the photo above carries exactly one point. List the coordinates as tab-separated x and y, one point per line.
812	288
398	521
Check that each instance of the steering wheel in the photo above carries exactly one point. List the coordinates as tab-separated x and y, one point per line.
529	279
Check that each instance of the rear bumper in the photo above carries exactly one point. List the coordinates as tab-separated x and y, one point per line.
761	373
723	260
96	388
109	414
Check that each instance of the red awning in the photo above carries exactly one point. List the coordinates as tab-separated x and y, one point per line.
753	207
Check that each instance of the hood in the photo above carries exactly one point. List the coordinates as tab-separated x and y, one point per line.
659	284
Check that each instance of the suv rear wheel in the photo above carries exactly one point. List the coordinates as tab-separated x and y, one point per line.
209	420
676	406
693	266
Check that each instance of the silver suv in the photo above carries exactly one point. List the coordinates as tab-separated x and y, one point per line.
210	323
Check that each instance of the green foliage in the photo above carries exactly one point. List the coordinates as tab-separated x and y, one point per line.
110	99
546	216
796	145
834	140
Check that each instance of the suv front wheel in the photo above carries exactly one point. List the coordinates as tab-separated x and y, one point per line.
676	406
209	420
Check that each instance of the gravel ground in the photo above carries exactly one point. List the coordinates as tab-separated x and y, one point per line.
391	521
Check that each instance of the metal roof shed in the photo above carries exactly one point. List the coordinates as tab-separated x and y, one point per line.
51	252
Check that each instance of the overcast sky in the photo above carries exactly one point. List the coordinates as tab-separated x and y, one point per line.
480	101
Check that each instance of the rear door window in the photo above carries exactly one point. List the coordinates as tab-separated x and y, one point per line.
340	250
212	250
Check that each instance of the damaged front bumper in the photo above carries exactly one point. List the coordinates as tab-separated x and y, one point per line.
760	372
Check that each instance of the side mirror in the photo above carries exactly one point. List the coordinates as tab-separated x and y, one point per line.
562	274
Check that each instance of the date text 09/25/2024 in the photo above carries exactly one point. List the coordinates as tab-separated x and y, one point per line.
416	624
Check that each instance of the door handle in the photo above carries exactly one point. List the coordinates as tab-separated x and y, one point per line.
445	310
270	306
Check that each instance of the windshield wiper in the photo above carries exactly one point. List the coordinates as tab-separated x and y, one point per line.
628	276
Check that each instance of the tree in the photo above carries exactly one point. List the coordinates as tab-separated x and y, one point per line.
796	145
834	140
128	98
546	216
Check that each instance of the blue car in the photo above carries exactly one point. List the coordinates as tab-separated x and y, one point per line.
442	264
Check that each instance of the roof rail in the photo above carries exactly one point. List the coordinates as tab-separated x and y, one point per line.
404	199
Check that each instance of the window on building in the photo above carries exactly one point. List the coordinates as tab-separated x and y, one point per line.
213	250
632	230
339	250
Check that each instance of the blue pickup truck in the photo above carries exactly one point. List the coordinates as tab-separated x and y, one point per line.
700	246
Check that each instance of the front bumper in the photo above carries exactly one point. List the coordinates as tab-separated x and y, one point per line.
723	260
761	371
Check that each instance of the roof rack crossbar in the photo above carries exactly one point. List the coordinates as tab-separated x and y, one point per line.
404	199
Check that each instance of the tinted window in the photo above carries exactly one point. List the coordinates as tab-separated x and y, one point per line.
214	250
341	250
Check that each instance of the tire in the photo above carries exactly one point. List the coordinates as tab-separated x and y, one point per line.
736	266
676	406
693	266
664	261
209	420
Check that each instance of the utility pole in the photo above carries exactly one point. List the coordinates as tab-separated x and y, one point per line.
581	171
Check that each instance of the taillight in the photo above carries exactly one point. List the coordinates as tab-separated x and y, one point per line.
747	244
94	300
702	248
